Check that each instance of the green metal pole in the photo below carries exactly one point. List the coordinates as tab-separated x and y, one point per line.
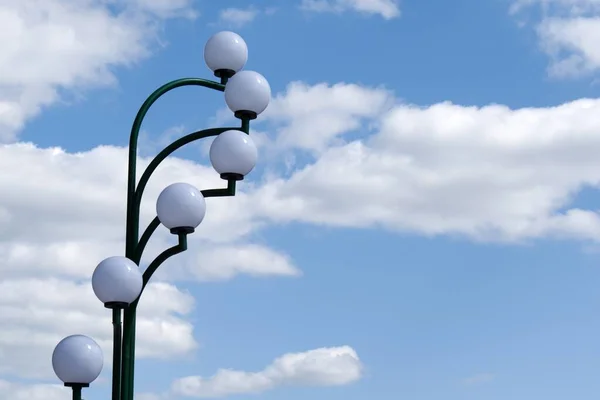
76	392
117	353
133	224
246	125
129	353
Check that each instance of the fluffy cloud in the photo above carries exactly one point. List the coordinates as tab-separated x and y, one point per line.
14	391
388	9
222	262
313	117
238	17
40	312
74	43
569	7
64	194
568	32
151	396
321	367
63	213
488	173
479	379
571	42
167	8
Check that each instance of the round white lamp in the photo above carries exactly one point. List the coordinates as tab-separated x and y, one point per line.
225	53
77	360
117	282
181	208
233	154
247	94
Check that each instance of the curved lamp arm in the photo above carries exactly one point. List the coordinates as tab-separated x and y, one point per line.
123	382
153	226
160	157
132	224
161	258
145	239
255	100
134	246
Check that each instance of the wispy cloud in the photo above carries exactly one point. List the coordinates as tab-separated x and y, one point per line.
332	366
478	379
149	145
238	17
388	9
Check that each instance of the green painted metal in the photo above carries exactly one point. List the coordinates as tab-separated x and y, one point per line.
246	126
160	157
161	258
117	337
124	346
153	226
76	392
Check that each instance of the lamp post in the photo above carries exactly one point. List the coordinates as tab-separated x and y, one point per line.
117	281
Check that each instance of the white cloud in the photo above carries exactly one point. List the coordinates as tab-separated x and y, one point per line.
63	195
150	145
313	117
478	379
223	262
14	391
388	9
62	213
49	241
568	33
151	396
238	17
331	366
168	8
559	7
571	42
488	173
75	44
40	312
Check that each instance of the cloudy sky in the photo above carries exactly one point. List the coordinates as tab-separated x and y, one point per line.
423	223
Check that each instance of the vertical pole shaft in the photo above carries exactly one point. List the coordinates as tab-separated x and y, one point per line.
133	226
131	241
127	373
132	356
246	125
128	341
117	353
76	392
126	362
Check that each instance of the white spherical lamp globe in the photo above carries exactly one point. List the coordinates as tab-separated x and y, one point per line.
117	282
77	360
233	154
247	94
225	53
181	207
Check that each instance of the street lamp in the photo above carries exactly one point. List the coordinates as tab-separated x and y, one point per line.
117	281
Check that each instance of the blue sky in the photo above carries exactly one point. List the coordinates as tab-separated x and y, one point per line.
424	204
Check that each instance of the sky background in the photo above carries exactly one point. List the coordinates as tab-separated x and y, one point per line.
422	224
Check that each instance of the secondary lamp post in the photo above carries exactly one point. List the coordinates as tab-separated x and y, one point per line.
117	281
